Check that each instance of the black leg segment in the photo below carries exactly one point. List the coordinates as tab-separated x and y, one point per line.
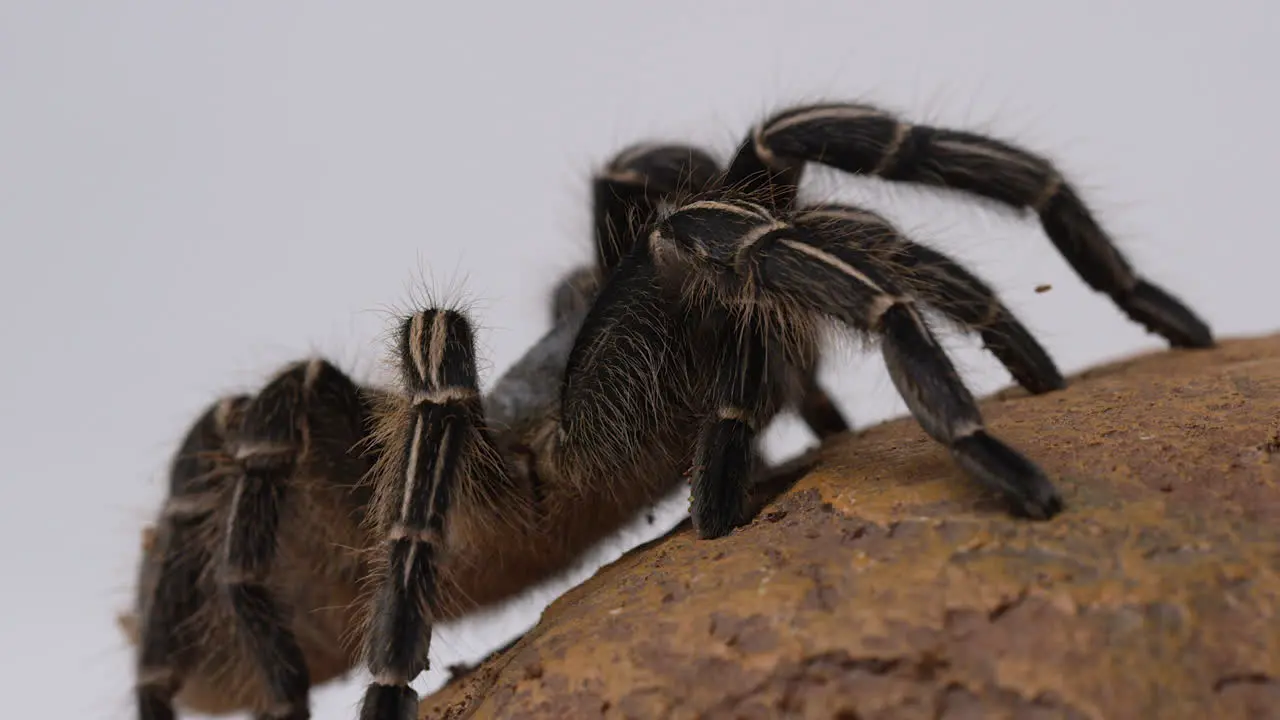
818	409
723	464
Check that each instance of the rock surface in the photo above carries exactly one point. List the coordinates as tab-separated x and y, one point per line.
884	585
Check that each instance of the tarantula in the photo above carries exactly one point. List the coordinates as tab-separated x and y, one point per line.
276	564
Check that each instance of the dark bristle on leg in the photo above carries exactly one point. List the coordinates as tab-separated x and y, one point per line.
937	398
863	139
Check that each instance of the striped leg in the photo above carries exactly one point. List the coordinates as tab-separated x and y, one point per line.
628	194
170	591
724	460
797	269
867	140
229	483
440	445
280	426
940	282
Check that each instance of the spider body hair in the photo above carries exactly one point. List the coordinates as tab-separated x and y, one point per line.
318	525
516	521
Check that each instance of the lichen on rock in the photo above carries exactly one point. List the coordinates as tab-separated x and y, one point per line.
882	584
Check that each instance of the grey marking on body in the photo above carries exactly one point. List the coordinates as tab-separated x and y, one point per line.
531	387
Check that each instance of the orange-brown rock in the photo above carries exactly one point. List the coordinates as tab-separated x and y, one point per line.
884	585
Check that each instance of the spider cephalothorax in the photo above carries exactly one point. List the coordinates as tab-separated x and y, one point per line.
276	565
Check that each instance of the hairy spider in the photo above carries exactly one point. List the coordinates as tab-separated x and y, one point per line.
276	566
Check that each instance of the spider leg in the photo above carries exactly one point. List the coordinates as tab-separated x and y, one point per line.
943	284
867	140
274	438
817	408
437	444
626	193
724	461
169	588
746	258
623	376
627	198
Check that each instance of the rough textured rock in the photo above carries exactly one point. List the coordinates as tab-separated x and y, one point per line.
883	585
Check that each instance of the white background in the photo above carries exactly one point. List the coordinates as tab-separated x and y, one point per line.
192	194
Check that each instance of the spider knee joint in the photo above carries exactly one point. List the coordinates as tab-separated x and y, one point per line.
444	396
184	507
1051	187
965	429
720	232
737	414
890	155
157	677
882	304
425	536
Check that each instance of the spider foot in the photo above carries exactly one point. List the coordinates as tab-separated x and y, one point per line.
1026	360
1029	493
1165	315
719	500
389	702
